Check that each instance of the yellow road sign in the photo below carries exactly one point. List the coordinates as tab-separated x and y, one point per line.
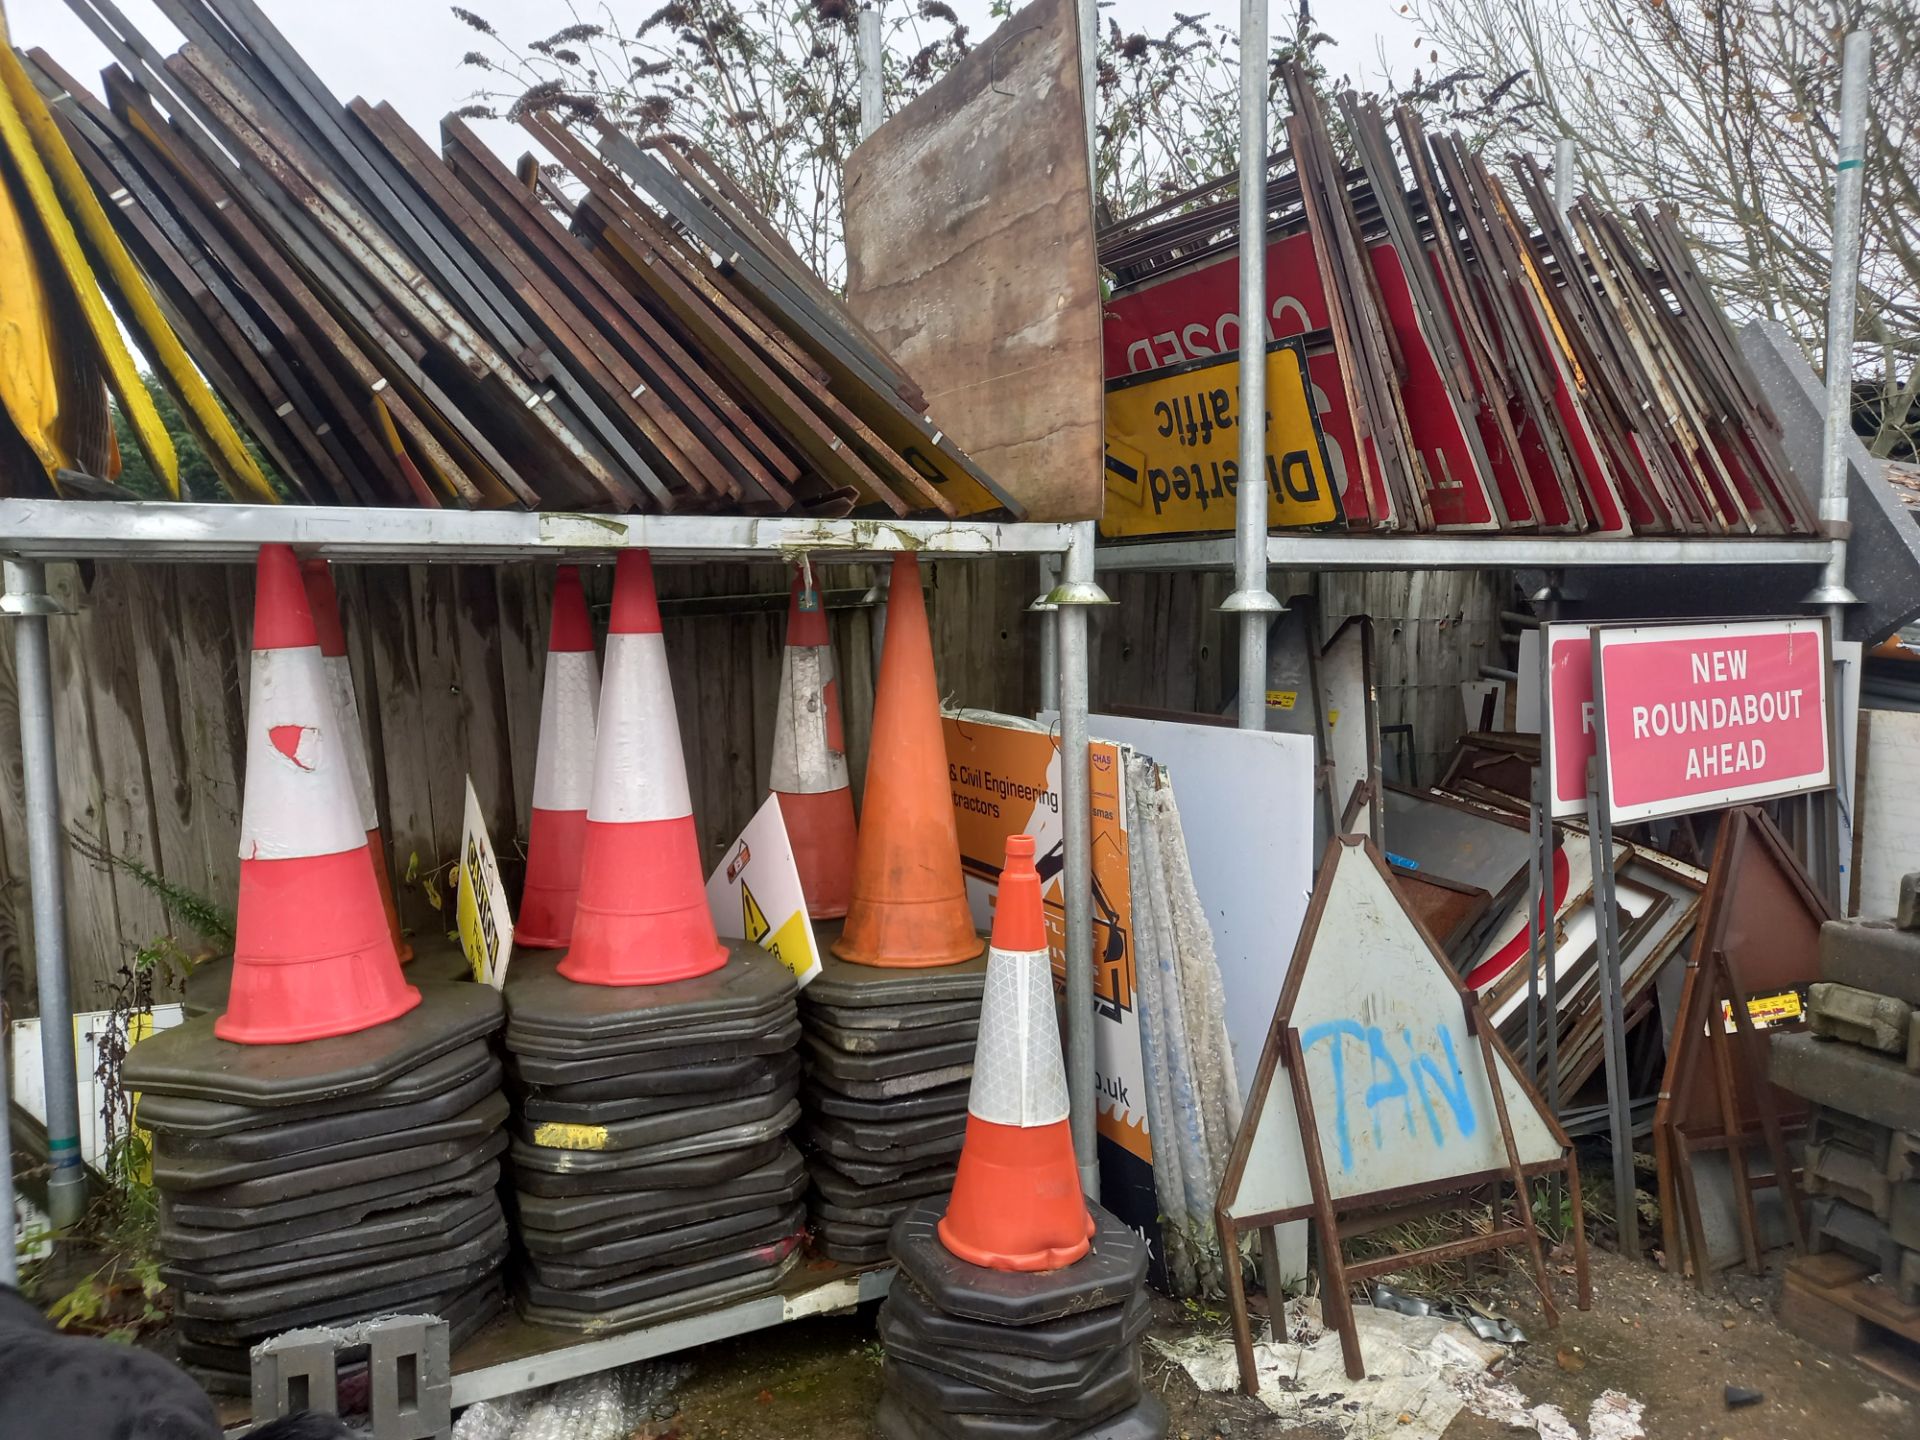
1173	446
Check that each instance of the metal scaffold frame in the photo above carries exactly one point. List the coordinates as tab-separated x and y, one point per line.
34	532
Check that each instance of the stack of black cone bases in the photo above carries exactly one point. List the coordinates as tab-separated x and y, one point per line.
979	1354
886	1056
329	1180
652	1171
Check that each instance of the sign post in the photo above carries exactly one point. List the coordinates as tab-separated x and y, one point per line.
1690	716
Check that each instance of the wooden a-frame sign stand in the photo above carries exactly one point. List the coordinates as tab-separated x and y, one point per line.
1398	1098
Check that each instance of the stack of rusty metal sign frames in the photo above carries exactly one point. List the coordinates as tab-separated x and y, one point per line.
1479	371
400	327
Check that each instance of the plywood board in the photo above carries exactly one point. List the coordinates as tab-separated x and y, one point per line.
970	257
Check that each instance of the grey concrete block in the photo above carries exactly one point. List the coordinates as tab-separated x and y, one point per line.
1903	1155
410	1379
1907	915
1860	1017
1907	1285
295	1372
1903	1214
1913	1041
1835	1225
1845	1077
1827	1126
1849	1175
1872	955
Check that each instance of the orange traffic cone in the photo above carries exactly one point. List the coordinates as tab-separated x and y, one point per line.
562	773
313	956
643	917
1016	1201
324	601
810	758
909	903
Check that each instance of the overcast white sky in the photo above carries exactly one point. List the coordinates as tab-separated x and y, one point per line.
407	52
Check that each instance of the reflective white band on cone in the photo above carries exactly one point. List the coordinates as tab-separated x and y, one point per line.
1019	1077
299	798
340	682
638	768
569	703
809	753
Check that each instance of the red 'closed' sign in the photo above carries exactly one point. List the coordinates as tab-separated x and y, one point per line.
1701	715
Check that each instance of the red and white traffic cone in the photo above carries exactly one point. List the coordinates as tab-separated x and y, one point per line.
313	954
643	916
809	772
1016	1202
562	772
324	601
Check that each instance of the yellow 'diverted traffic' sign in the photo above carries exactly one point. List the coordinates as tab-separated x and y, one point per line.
1173	448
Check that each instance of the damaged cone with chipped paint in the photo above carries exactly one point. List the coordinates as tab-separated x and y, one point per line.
562	772
809	772
1016	1201
313	952
642	917
908	908
324	601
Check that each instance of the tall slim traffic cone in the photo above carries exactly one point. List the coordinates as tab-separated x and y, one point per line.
643	917
562	772
324	601
909	903
810	758
1016	1201
313	955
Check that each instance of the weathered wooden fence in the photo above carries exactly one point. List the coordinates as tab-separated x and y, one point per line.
150	681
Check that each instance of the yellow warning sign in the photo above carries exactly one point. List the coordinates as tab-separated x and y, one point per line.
793	945
1173	446
1766	1011
557	1136
1281	699
753	920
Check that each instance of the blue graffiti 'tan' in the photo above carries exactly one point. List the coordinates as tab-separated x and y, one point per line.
1388	1082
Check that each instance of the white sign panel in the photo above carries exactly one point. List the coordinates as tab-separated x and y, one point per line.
1400	1088
480	904
755	894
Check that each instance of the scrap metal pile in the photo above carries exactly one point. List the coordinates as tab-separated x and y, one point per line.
397	326
1474	369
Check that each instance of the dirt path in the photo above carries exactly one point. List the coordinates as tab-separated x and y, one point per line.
1648	1335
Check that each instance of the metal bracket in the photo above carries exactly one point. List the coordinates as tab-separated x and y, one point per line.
1251	602
20	607
1074	592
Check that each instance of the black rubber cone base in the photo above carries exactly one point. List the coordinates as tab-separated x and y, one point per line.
436	960
470	1176
824	1060
1020	1378
896	1087
665	1082
656	1133
549	1070
857	987
695	1300
757	1077
772	1117
1146	1419
1073	1337
249	1182
925	1140
942	1100
213	1210
662	1242
540	1000
608	1264
695	1040
1113	1386
389	1299
554	1226
191	1060
279	1297
886	1017
1109	1274
663	1284
394	1233
200	1121
844	1190
891	1042
299	1172
872	1175
872	1217
697	1170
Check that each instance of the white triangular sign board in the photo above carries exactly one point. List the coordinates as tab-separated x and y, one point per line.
1400	1088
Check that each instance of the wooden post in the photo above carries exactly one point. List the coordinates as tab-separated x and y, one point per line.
1749	1051
1237	1301
1333	1264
